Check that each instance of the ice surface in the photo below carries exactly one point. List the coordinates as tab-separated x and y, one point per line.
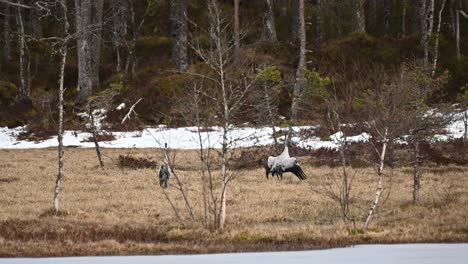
363	254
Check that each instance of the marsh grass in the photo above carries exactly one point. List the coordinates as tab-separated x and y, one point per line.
122	211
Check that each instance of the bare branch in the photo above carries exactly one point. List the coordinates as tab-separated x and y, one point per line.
15	4
131	111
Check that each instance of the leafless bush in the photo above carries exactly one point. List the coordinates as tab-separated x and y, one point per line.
130	162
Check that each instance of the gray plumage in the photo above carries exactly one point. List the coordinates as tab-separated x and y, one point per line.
164	174
276	166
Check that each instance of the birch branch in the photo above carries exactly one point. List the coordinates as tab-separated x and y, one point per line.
131	111
465	15
15	4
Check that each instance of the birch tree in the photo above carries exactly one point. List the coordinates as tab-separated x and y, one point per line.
229	87
63	54
360	16
24	71
436	46
427	22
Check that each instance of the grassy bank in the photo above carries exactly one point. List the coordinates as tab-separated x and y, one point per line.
121	211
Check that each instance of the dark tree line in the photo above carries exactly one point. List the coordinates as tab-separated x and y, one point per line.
120	22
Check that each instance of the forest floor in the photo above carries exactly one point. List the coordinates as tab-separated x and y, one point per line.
119	211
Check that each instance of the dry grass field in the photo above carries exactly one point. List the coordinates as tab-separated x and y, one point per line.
121	211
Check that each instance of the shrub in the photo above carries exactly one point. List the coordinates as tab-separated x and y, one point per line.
130	162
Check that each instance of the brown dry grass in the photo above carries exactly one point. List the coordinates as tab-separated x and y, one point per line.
115	211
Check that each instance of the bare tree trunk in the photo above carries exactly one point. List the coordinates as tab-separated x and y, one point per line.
35	23
379	188
427	22
119	31
457	30
130	65
360	16
63	52
452	11
178	10
299	84
269	28
236	30
387	16
403	18
416	173
371	15
7	34
203	166
84	47
224	153
436	48
295	21
96	36
318	24
24	89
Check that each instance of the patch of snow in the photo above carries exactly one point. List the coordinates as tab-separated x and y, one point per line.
187	137
120	107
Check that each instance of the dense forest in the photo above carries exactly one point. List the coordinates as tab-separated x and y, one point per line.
280	56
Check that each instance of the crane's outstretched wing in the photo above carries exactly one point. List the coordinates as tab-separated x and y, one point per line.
297	170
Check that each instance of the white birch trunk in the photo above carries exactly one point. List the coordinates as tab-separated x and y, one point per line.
24	90
436	48
379	188
63	52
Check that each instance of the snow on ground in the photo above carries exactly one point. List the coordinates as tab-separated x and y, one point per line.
187	137
177	138
363	254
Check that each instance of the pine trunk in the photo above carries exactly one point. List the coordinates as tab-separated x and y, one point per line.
24	89
84	48
360	16
179	28
96	36
7	34
299	84
269	28
457	30
387	17
295	21
318	24
236	30
403	18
